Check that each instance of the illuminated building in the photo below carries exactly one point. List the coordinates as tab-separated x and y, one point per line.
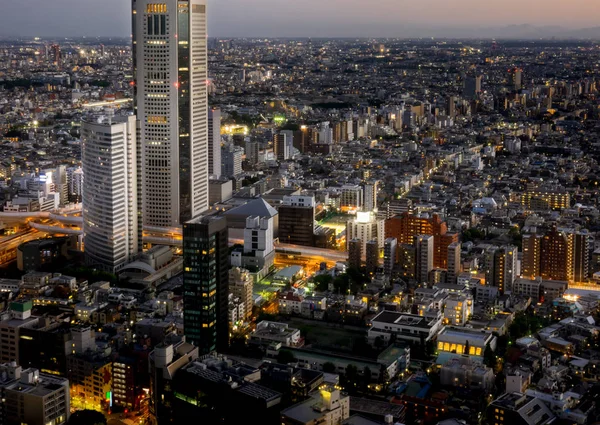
334	408
19	317
454	340
240	286
545	198
297	220
407	261
519	409
110	210
281	147
214	142
472	87
165	361
406	227
532	249
231	160
206	282
351	198
501	267
366	227
458	309
33	398
556	259
582	243
408	327
171	83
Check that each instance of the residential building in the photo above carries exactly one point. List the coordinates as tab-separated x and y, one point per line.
328	406
464	372
532	249
390	248
214	142
297	220
240	286
519	409
366	227
501	267
408	327
424	258
454	263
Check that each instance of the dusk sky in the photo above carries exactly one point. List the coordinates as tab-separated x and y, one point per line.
295	18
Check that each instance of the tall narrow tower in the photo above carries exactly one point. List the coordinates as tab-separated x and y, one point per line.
110	212
170	68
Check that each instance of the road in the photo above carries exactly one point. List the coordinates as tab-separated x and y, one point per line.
9	244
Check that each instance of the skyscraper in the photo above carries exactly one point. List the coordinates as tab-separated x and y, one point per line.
206	282
214	142
370	196
110	210
170	68
501	267
297	220
530	267
281	147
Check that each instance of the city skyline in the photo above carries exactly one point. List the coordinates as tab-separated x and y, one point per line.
335	18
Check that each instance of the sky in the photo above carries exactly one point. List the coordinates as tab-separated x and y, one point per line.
305	18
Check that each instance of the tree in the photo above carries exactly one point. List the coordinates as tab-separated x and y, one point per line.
367	376
489	357
285	357
351	375
87	417
328	367
322	282
379	342
467	347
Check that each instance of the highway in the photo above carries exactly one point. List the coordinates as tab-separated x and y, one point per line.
8	245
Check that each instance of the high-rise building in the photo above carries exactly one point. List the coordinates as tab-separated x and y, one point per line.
424	258
110	209
281	147
556	256
31	397
355	251
231	160
240	286
171	73
501	267
366	227
406	227
206	282
370	196
297	220
454	264
472	87
75	184
214	142
390	248
532	248
372	256
407	261
582	243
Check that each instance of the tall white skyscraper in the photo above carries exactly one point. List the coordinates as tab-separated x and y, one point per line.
110	208
171	72
214	142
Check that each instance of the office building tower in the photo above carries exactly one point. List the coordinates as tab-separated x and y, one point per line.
355	251
366	227
390	248
372	256
171	74
33	398
501	267
582	243
370	196
556	258
530	263
214	142
231	157
424	258
472	87
110	209
241	286
454	264
206	282
297	220
281	147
